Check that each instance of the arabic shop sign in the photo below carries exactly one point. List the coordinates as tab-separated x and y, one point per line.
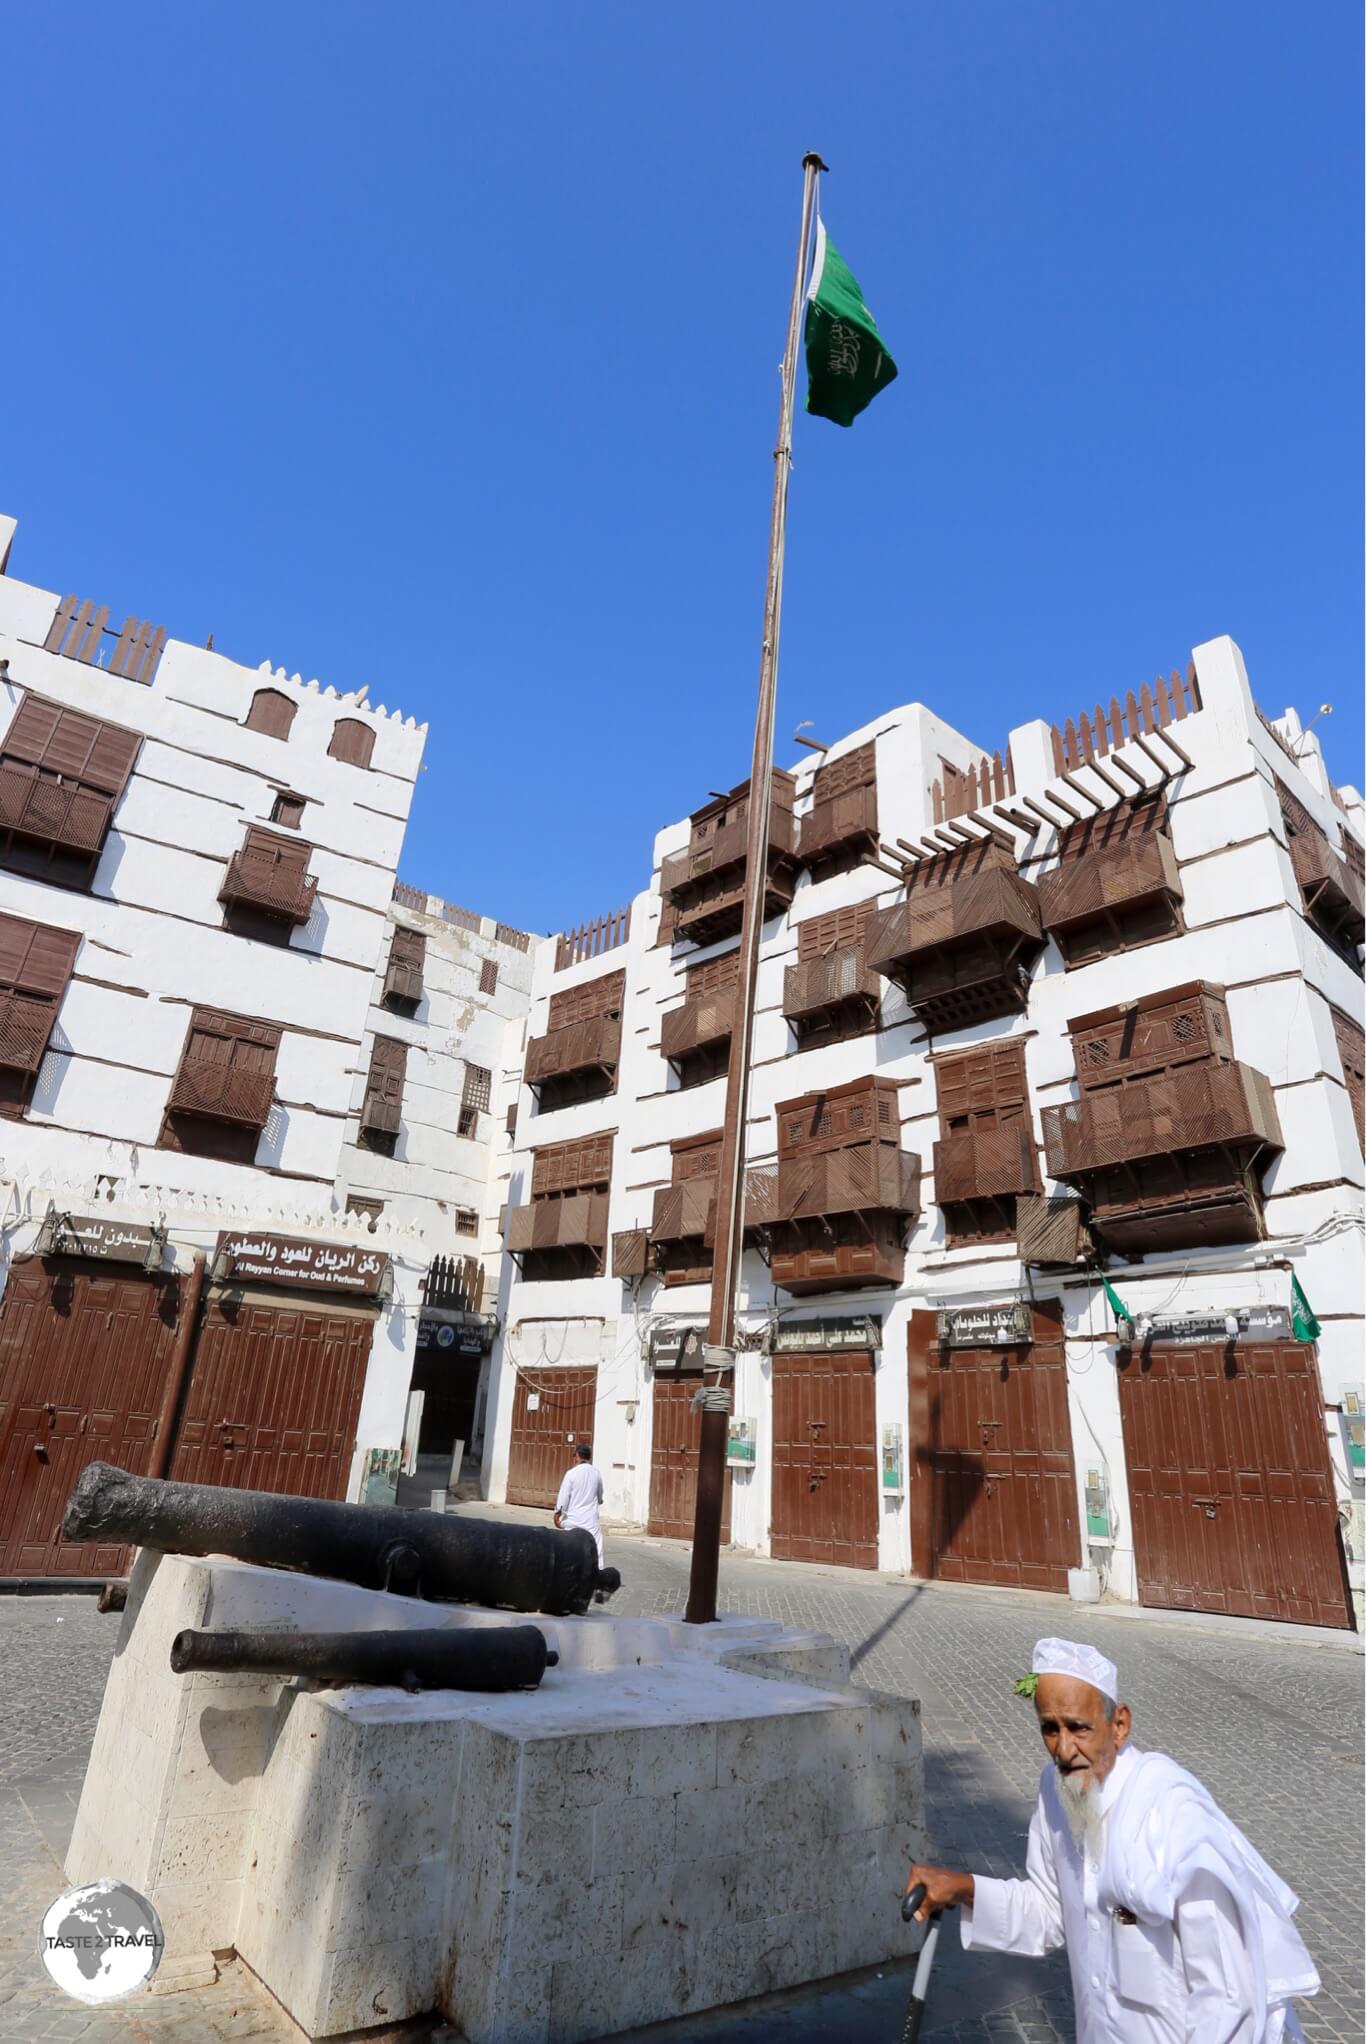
1196	1330
99	1236
1005	1326
822	1337
313	1266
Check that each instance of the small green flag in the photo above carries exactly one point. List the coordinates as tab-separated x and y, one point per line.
1303	1324
1117	1305
846	362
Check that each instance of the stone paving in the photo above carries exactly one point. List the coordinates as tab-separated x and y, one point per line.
1272	1724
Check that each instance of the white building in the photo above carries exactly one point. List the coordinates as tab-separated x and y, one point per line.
1115	1013
426	1133
197	866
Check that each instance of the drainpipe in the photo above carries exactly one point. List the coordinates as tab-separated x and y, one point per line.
160	1458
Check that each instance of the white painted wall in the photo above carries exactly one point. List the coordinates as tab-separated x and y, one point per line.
1245	930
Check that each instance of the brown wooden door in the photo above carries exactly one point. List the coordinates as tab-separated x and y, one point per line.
551	1411
85	1351
992	1453
273	1397
1230	1483
824	1460
673	1462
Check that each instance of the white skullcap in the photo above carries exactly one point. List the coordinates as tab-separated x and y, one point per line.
1069	1657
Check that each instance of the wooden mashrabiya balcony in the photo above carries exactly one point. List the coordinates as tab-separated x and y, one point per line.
961	944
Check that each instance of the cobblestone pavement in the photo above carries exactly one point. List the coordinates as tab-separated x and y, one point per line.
1273	1725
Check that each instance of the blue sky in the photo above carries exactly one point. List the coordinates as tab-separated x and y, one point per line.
435	347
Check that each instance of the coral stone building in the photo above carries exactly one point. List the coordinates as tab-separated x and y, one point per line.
209	1267
1086	1012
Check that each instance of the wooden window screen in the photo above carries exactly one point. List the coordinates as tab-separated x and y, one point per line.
564	1168
383	1106
289	854
478	1087
714	976
227	1071
1355	854
466	1221
408	947
857	769
271	713
351	742
370	1208
695	1157
69	746
585	1003
488	976
1352	1050
36	961
843	929
982	1089
287	810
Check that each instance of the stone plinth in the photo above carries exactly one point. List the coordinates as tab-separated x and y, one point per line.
679	1817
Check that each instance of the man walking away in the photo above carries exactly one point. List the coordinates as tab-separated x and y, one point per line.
580	1498
1177	1931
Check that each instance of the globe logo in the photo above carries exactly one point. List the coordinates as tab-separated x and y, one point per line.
101	1941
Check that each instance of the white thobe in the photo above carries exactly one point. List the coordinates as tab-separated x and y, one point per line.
1185	1982
579	1499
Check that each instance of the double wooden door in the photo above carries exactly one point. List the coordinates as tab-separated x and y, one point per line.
1230	1482
274	1396
825	1495
85	1358
993	1484
674	1446
552	1411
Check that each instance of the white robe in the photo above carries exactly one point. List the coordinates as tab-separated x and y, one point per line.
1211	1957
579	1499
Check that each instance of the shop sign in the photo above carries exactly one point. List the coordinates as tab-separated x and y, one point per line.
675	1344
1008	1325
820	1337
455	1335
1197	1330
99	1236
313	1266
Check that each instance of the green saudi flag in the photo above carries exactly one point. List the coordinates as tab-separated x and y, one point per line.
1116	1304
1302	1322
846	361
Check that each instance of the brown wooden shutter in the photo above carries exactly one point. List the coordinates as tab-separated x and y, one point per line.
585	1003
488	976
562	1168
351	741
36	958
478	1087
67	742
383	1104
286	852
271	713
227	1071
857	769
982	1089
287	810
843	929
1352	1051
714	976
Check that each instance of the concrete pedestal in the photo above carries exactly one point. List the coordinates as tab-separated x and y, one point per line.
679	1817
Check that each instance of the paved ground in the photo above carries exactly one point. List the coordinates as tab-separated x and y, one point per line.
1273	1725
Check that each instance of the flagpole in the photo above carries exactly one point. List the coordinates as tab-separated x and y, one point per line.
730	1177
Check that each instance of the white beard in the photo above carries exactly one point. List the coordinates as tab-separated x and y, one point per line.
1080	1798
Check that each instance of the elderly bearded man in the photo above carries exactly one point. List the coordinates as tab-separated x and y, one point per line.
1177	1931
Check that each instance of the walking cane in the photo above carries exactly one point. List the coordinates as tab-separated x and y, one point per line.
915	2012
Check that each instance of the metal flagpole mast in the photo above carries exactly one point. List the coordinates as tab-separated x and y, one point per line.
730	1177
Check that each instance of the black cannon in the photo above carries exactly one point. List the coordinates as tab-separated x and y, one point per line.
417	1554
432	1657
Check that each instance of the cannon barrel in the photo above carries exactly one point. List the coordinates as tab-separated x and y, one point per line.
491	1657
417	1554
